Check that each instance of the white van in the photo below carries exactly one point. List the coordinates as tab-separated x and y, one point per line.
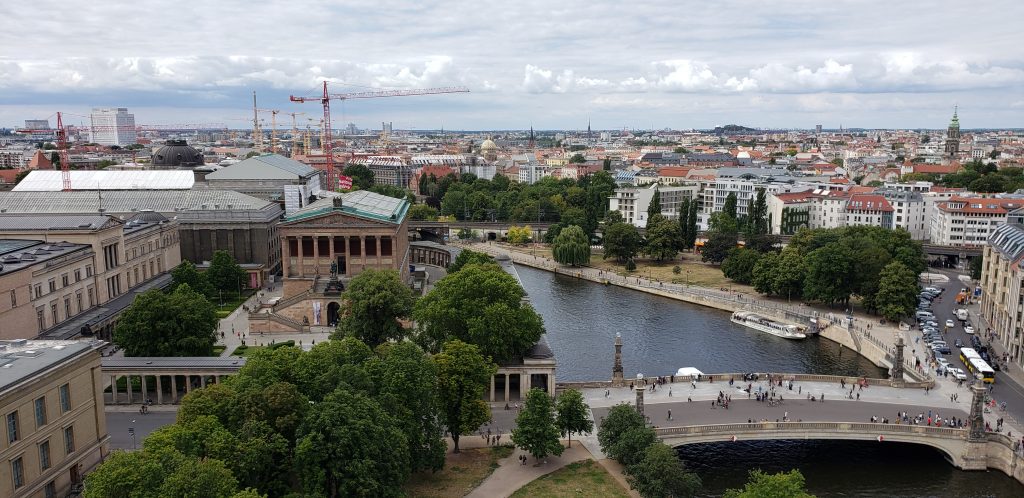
961	314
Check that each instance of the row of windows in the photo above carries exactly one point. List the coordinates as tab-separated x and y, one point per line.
79	307
37	291
13	420
45	462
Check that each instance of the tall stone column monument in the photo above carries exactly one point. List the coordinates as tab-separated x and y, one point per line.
639	394
897	365
976	419
617	380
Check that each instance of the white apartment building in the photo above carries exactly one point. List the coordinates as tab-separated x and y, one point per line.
909	212
112	126
716	191
870	210
830	209
789	211
633	202
531	172
969	221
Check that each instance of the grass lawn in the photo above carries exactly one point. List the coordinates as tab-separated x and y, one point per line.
218	349
700	274
461	474
246	351
584	478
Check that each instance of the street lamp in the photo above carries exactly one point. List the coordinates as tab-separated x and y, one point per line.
131	431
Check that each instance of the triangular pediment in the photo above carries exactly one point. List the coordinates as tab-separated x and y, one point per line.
338	219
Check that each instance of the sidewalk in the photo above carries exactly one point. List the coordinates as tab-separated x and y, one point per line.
235	328
512	475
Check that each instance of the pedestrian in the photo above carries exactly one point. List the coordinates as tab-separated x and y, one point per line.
670	414
858	396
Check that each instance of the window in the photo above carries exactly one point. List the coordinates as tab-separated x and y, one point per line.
65	398
39	291
78	275
64	280
12	427
18	472
78	297
88	271
44	455
67	307
53	284
53	311
14	298
69	439
41	412
41	318
50	491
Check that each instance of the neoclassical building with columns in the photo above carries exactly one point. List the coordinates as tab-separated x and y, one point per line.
342	233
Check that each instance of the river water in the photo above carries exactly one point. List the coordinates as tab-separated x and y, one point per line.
660	335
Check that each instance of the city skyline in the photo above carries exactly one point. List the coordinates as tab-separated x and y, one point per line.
696	65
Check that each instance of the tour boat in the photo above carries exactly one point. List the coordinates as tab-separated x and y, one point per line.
767	325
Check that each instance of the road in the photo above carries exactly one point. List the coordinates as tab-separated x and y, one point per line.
1006	389
119	422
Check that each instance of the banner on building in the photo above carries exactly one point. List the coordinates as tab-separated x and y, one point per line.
344	182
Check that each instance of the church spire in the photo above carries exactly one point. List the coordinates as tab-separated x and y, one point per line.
532	138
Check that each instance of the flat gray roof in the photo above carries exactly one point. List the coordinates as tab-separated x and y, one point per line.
21	360
170	362
265	167
122	202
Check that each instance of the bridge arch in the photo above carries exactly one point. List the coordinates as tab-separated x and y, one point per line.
953	443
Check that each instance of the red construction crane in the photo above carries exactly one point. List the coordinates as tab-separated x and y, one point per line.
61	140
325	100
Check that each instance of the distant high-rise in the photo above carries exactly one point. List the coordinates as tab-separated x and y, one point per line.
112	126
37	124
953	135
817	129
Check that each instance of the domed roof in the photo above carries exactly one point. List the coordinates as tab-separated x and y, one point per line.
177	153
488	145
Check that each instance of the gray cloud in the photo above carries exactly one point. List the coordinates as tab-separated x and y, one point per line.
672	62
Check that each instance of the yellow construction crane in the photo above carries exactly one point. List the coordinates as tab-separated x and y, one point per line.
295	130
273	130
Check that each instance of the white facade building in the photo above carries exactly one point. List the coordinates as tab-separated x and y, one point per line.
969	221
909	212
632	202
112	126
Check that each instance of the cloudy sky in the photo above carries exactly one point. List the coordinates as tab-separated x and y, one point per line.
553	64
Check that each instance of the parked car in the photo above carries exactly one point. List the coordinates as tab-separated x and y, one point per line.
958	373
944	349
950	323
936	290
968	329
958	343
944	363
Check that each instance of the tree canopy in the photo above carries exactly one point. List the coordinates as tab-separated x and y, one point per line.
225	274
467	257
897	291
621	241
374	303
181	323
663	238
573	414
762	485
463	374
186	273
571	247
536	431
660	473
481	305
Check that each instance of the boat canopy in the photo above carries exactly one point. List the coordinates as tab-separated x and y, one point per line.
688	372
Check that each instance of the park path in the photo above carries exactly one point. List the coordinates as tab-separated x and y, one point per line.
512	475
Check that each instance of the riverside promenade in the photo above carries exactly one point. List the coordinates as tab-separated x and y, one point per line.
860	332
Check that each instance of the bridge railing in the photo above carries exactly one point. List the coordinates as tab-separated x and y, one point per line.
850	380
845	427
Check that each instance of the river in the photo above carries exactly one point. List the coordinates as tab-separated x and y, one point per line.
660	335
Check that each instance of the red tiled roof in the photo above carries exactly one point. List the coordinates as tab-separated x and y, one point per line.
8	175
673	171
861	189
981	205
868	202
795	197
939	169
39	161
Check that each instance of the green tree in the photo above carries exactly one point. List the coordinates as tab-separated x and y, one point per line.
186	273
571	247
469	257
422	212
606	165
654	208
182	323
348	446
761	485
722	223
684	226
482	305
977	263
830	274
691	221
621	241
730	205
405	379
535	429
463	374
374	304
613	217
631	445
738	266
897	291
577	159
660	473
620	420
159	472
573	414
717	247
663	238
518	235
225	274
195	478
759	218
362	177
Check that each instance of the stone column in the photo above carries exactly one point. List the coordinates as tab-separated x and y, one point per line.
286	254
617	368
524	386
113	389
377	239
159	390
216	379
316	254
202	381
507	377
174	389
639	399
976	419
897	365
188	384
128	386
300	259
362	251
144	390
491	399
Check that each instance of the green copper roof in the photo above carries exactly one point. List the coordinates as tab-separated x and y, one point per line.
955	122
360	203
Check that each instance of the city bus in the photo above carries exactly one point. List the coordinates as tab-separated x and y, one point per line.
968	354
981	370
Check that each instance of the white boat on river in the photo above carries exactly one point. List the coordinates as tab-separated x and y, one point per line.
768	325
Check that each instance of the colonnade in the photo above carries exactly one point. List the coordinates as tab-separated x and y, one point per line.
191	381
546	381
354	248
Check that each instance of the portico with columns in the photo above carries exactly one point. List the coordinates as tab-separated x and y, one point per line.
163	380
536	370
